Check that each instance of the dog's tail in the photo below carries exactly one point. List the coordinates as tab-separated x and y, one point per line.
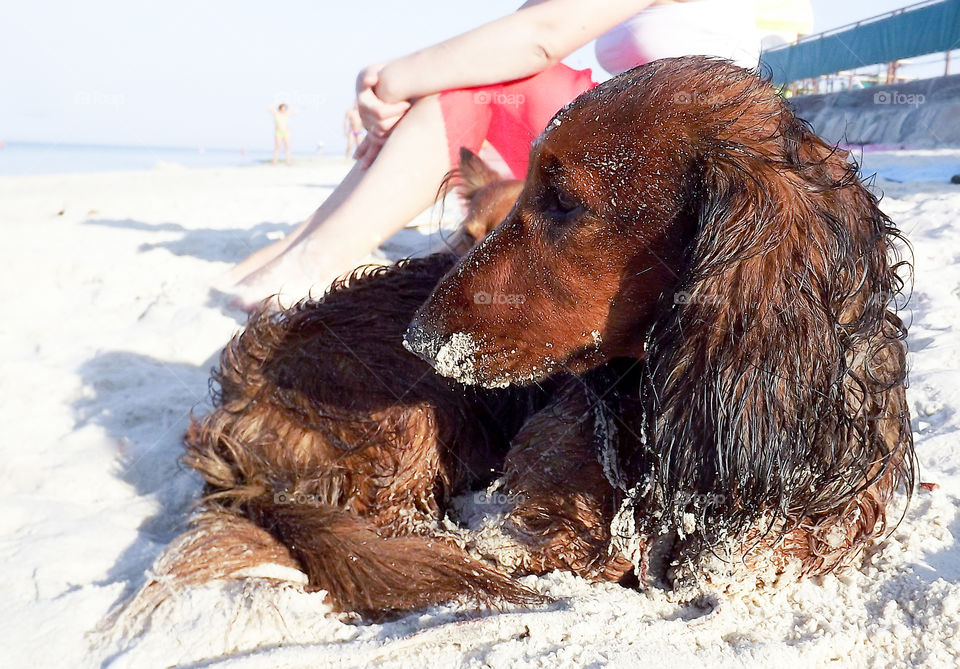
322	548
218	545
376	576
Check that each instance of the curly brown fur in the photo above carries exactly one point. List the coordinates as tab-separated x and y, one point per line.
682	216
562	504
334	450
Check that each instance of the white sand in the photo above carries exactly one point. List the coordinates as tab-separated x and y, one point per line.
109	329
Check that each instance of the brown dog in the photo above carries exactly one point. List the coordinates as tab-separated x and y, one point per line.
681	216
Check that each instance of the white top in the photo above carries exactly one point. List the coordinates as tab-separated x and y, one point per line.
725	28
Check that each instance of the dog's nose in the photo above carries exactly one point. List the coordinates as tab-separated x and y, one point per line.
422	340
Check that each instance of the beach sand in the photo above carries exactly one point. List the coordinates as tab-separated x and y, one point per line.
108	334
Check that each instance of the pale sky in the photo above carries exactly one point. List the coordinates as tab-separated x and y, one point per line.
203	72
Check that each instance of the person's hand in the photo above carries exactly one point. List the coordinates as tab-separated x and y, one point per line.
378	117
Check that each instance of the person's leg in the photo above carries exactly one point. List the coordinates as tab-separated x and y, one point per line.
368	206
286	148
276	148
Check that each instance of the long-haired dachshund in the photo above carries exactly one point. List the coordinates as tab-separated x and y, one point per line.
680	217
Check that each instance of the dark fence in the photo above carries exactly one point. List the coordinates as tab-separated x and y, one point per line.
913	31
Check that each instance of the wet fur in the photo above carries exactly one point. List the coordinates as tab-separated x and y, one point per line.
333	451
562	504
681	216
347	449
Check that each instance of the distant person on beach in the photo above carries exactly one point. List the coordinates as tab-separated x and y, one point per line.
281	131
353	129
501	82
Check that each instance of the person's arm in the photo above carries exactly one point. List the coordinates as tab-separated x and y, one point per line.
538	35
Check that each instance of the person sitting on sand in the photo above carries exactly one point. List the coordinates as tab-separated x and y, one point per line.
353	129
500	82
281	131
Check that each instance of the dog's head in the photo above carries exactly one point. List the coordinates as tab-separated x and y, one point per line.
597	238
682	215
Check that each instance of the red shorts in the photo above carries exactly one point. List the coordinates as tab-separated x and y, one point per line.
509	115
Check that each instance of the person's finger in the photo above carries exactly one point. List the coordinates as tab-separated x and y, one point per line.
368	77
373	109
360	150
383	127
365	147
369	123
373	150
386	110
379	127
366	101
370	156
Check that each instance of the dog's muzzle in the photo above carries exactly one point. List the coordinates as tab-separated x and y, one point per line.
423	341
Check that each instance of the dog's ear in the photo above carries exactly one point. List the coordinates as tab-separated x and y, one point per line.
756	392
467	178
474	174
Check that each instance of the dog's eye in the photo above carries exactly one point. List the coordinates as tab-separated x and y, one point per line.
561	204
533	522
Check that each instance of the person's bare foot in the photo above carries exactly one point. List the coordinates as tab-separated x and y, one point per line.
273	279
253	262
258	276
295	273
260	258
